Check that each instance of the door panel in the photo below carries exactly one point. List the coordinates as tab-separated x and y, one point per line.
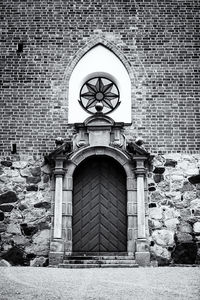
99	206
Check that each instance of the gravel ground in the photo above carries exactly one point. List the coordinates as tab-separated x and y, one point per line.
143	283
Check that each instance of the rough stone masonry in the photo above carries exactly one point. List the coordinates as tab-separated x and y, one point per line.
174	210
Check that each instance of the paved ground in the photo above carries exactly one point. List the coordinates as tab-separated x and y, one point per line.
136	284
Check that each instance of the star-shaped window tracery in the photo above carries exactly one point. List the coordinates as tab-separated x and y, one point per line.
99	94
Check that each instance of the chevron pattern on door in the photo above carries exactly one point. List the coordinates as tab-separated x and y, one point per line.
99	207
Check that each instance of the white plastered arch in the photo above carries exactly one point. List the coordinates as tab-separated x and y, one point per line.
99	61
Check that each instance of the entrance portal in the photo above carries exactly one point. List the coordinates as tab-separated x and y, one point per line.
99	207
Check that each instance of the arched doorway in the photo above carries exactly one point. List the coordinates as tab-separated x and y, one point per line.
99	219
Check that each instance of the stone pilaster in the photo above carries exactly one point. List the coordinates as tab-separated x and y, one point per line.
142	254
57	245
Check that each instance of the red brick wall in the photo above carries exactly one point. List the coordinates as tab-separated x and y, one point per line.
158	38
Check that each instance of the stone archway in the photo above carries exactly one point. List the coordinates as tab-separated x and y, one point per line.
99	136
131	196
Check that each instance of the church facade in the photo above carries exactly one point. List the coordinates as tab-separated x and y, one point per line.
100	132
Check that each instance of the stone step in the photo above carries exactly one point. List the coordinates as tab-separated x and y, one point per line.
100	261
85	266
112	257
103	261
78	266
99	254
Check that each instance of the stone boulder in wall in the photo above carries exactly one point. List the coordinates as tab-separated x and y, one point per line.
163	237
40	243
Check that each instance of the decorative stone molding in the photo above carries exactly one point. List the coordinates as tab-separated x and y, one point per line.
99	130
99	135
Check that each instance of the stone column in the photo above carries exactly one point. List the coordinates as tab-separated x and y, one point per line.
57	231
142	254
57	244
140	206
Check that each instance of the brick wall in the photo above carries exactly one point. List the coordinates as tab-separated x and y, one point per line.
158	39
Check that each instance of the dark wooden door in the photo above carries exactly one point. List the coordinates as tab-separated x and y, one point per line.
99	207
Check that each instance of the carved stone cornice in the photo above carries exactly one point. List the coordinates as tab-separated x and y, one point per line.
61	152
140	156
135	150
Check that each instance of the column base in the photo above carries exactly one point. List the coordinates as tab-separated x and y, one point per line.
142	245
55	258
142	259
142	254
56	254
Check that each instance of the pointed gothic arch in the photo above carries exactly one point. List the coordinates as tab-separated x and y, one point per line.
99	61
93	43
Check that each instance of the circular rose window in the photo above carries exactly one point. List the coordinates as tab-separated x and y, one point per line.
99	94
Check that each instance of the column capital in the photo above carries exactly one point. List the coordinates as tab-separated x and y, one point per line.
140	169
140	172
59	160
59	172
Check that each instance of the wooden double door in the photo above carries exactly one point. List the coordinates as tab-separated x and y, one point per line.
99	207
